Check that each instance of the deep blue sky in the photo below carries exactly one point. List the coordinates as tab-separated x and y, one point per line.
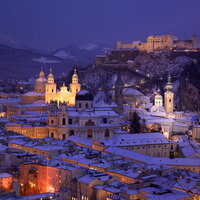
58	23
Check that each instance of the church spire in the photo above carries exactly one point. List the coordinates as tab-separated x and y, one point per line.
118	82
75	77
169	86
41	74
50	76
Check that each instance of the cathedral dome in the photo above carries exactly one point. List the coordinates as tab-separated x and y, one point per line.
158	96
41	80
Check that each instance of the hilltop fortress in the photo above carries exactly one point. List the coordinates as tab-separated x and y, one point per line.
164	42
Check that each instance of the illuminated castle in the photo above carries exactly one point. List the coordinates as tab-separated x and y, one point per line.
162	42
63	95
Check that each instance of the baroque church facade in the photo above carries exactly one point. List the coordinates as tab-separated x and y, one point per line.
92	117
64	95
46	90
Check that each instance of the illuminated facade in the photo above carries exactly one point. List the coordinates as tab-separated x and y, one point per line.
88	119
64	95
163	42
6	182
158	100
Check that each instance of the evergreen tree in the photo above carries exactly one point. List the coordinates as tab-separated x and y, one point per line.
135	126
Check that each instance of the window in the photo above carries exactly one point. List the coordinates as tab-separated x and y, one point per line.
79	105
86	105
52	122
63	121
63	136
105	121
107	133
71	132
70	120
89	133
52	90
170	100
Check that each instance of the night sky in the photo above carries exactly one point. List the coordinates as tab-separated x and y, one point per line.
51	24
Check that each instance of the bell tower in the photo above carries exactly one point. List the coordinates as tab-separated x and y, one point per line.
74	85
50	88
119	97
169	97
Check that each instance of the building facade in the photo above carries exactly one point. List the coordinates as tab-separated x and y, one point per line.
164	42
64	95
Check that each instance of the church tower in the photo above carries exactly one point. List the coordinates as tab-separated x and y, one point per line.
50	88
169	97
119	97
158	100
75	86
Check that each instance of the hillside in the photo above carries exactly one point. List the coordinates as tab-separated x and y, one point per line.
150	71
18	61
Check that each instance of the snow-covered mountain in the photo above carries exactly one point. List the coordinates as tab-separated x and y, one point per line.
81	54
23	63
11	42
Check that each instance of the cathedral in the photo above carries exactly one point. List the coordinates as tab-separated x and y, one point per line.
46	90
64	95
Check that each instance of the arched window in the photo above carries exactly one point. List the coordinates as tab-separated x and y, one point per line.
107	133
63	121
89	123
170	100
63	136
51	134
52	90
79	105
52	122
86	105
89	133
71	132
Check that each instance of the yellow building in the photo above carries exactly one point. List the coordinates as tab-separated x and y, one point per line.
64	95
28	130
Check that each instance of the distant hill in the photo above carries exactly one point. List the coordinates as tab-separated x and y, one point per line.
81	54
18	61
23	63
